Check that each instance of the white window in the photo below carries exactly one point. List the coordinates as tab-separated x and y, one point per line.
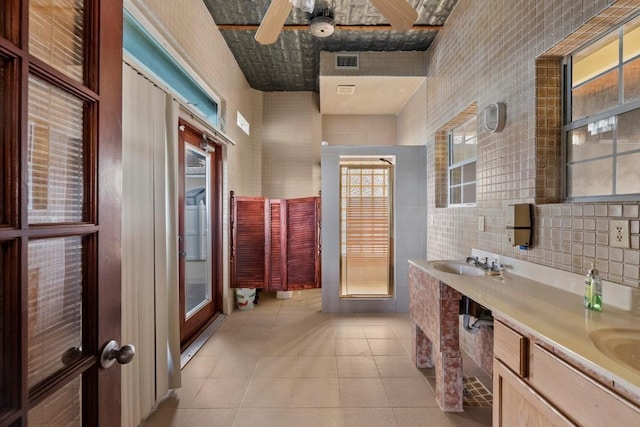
602	123
463	152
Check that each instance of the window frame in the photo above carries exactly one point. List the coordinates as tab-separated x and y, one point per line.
451	166
569	124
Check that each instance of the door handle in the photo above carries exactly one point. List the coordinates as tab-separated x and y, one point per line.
112	353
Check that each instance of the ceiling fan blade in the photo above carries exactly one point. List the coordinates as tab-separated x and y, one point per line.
273	21
400	14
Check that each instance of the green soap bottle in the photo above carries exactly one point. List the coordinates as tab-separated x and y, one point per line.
593	290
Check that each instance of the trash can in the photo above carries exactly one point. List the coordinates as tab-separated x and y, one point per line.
245	298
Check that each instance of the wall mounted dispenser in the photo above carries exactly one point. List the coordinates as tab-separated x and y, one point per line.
519	224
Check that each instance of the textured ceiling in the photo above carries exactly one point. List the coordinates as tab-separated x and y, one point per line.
292	63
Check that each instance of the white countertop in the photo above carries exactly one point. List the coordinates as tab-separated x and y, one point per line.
555	315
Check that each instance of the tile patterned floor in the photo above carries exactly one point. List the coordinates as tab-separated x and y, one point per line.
287	364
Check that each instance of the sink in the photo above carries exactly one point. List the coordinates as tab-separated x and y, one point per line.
457	267
620	345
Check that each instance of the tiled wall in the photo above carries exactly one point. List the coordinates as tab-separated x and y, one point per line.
412	126
291	141
507	51
359	129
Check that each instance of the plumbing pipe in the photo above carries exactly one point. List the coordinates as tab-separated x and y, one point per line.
476	325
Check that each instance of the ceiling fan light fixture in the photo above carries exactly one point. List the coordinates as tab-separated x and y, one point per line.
321	26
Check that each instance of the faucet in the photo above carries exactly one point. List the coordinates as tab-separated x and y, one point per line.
484	264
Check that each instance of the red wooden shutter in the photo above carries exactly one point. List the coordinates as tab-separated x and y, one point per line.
276	258
248	239
302	219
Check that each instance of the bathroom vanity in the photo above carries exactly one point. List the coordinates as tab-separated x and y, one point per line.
554	362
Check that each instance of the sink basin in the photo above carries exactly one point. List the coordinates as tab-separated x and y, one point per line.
457	267
621	345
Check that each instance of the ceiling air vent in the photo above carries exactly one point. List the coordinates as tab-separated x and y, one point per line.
347	61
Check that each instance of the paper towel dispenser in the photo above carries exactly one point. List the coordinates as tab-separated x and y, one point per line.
518	221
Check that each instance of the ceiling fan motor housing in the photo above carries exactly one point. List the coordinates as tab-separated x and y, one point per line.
321	26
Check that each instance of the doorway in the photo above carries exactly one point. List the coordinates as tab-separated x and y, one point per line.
200	225
366	222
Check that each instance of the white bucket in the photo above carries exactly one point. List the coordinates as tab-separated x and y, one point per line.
245	298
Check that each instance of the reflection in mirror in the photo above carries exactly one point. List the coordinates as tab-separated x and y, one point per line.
197	231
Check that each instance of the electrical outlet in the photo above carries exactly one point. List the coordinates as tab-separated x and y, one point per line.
619	233
481	223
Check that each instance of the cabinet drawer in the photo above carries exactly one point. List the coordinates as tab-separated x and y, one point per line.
511	348
582	399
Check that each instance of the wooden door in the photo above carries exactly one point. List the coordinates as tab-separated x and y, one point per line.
276	247
302	243
200	225
249	241
60	137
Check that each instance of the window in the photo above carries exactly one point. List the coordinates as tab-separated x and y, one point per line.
366	229
602	112
463	149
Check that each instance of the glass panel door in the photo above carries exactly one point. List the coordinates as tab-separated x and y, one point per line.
200	231
197	225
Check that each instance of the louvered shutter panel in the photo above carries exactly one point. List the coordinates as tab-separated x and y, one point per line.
302	243
276	257
248	239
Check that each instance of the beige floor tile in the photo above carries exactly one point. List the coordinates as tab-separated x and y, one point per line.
409	393
362	393
221	393
317	347
280	346
314	417
268	393
264	417
183	396
250	332
235	366
285	319
379	331
200	367
396	366
387	347
357	366
348	331
220	345
372	417
471	417
352	347
315	393
317	366
276	367
421	417
261	320
190	418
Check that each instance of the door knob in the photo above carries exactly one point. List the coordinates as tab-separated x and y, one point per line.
183	254
112	353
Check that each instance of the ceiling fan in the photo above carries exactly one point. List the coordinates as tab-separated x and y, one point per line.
400	14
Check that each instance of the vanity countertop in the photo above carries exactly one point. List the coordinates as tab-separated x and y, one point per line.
554	315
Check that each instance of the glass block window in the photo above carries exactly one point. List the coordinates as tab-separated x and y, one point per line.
463	152
602	118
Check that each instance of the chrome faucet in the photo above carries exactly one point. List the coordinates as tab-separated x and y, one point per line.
484	264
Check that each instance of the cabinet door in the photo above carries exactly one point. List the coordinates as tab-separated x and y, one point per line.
517	404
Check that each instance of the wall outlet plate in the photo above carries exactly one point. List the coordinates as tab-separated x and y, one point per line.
619	233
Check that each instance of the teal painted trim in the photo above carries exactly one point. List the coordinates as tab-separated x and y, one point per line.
146	50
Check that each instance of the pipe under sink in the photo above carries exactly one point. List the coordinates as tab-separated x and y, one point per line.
468	308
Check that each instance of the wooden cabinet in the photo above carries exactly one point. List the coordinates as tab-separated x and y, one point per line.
534	387
275	244
515	403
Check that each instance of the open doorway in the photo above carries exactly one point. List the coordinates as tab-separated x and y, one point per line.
366	222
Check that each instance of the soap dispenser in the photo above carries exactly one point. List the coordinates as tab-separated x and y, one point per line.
593	290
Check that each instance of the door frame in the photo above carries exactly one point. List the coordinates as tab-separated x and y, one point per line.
190	329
